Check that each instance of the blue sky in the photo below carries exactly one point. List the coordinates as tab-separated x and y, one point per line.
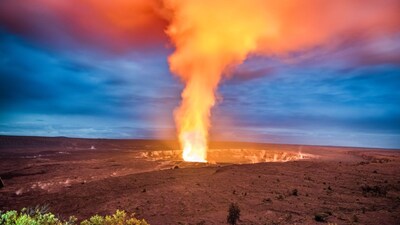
93	95
346	96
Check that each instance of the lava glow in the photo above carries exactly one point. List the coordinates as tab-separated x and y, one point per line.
194	147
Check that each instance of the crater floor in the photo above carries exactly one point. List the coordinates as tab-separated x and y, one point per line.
272	184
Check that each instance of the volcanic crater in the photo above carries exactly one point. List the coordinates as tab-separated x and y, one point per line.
271	183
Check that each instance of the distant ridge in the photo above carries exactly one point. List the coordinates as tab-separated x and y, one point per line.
63	141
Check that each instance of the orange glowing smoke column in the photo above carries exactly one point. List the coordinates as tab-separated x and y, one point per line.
210	38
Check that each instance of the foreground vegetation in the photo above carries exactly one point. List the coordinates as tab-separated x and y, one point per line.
39	216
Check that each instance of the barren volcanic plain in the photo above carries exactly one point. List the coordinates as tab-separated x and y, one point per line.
271	183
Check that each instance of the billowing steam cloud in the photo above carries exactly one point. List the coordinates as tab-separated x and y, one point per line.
210	37
213	36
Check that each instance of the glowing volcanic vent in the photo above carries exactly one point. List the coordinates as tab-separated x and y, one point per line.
194	146
239	156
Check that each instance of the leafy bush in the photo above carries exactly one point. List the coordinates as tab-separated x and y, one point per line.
38	217
29	217
119	218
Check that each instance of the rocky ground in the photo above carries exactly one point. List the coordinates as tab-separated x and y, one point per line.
83	177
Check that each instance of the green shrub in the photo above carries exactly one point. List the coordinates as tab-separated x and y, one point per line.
29	217
38	217
119	218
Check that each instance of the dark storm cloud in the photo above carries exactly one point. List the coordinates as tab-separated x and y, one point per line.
353	51
39	81
243	75
362	101
33	78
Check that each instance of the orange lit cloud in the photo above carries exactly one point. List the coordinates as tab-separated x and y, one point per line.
298	25
112	25
119	25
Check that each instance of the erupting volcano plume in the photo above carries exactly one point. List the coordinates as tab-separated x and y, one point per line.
213	36
210	39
